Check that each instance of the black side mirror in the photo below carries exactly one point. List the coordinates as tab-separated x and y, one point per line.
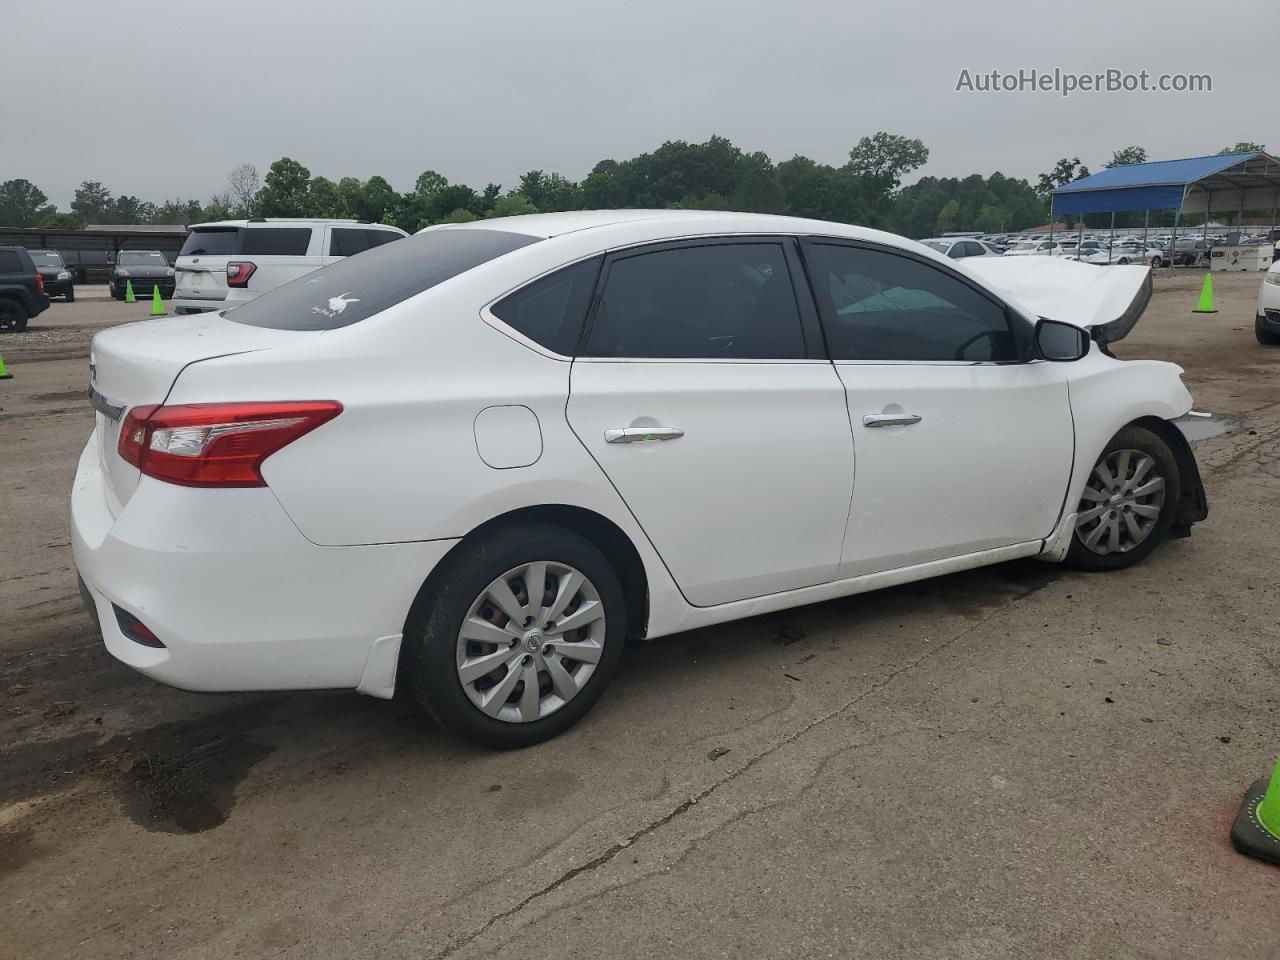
1059	341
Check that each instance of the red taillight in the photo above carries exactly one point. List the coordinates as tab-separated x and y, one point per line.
238	274
39	284
216	444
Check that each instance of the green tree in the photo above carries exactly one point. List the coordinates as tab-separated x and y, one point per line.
429	183
948	217
93	202
1243	146
324	200
128	209
990	219
886	158
461	215
377	199
1063	172
759	190
221	206
1127	156
285	192
178	212
513	204
22	203
51	219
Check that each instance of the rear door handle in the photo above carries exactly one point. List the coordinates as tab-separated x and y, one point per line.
642	434
890	419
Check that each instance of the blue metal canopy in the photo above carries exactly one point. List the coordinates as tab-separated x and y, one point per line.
1250	179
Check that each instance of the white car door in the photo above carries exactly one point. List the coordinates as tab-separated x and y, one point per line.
961	446
702	392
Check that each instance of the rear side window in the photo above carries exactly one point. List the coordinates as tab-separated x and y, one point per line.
350	290
275	242
882	306
718	301
9	262
551	311
211	241
348	241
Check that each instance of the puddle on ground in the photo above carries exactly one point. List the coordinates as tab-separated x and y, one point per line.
1214	425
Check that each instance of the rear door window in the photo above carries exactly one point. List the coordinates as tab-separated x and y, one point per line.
275	241
378	237
9	262
714	301
348	291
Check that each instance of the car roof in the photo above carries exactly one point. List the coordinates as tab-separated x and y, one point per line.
298	221
676	222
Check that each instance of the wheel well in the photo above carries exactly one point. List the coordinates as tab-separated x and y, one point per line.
600	531
1193	506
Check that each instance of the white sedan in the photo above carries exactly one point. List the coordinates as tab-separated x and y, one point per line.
1037	248
474	462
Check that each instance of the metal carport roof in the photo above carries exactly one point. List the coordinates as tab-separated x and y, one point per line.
1234	181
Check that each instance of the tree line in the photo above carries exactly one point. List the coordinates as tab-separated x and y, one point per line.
716	175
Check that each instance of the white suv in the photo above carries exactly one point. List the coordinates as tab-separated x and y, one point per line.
225	263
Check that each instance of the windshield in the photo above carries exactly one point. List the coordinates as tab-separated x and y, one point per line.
142	258
1026	246
937	245
354	288
46	258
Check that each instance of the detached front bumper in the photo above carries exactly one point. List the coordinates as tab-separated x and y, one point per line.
238	597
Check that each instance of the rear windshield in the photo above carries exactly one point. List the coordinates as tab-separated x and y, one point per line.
350	290
45	258
212	241
247	241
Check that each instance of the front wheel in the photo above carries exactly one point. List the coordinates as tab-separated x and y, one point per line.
1267	337
519	637
1156	263
71	294
1128	502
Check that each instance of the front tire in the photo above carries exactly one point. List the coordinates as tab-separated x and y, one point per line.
1128	504
1266	337
71	294
517	637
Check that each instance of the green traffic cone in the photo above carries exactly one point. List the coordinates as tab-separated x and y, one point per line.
1206	296
157	302
1256	831
4	374
128	292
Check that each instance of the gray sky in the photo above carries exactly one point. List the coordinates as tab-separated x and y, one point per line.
161	99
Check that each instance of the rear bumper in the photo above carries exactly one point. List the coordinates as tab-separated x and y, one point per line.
239	598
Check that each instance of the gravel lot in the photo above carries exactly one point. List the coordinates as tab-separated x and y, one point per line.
1015	762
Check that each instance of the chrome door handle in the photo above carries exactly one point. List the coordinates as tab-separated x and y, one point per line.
641	434
890	419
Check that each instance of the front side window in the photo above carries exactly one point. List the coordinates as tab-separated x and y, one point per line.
552	310
714	301
878	305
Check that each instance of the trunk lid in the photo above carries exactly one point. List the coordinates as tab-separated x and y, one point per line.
1106	301
137	364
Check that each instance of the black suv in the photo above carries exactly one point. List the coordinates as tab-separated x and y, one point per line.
22	293
58	281
143	269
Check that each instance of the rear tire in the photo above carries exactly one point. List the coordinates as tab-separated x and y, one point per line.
1265	336
13	316
461	594
1128	504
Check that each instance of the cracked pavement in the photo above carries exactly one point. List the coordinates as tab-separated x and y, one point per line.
1011	762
